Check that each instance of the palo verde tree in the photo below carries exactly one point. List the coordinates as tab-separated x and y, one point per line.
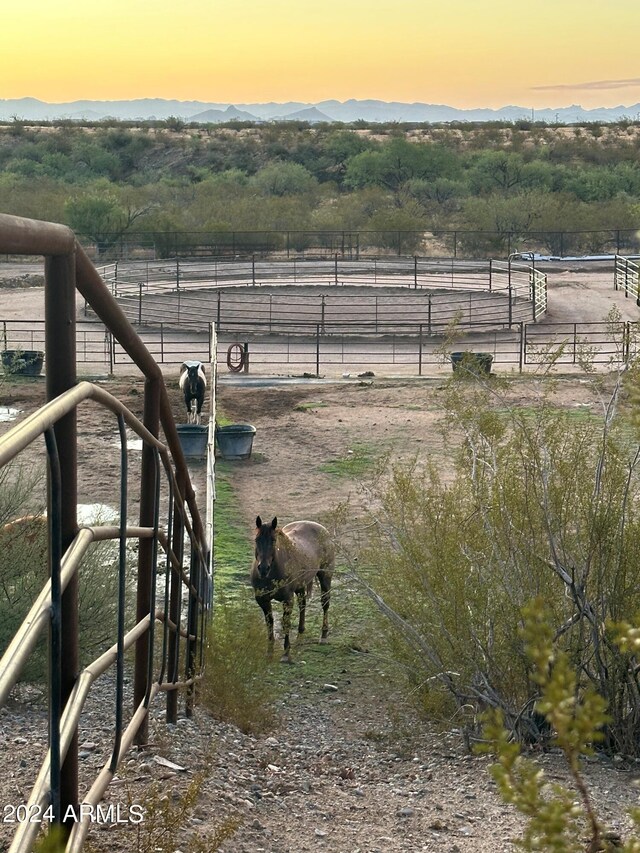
102	216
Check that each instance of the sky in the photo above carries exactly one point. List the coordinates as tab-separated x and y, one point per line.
464	53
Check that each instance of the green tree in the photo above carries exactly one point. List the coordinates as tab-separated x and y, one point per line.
101	217
282	179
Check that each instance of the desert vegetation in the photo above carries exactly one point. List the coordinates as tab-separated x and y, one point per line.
110	178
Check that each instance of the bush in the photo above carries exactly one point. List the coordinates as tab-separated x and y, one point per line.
236	687
541	503
558	818
24	572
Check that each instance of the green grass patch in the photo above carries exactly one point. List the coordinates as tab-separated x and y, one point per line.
577	413
232	544
356	461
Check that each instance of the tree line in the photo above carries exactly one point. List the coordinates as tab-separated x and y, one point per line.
106	178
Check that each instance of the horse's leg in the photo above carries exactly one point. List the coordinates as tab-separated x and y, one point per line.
199	402
287	608
265	603
302	607
325	598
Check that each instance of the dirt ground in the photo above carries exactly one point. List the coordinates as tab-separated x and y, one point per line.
346	771
359	775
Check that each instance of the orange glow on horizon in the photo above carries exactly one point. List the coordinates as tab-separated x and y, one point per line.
464	54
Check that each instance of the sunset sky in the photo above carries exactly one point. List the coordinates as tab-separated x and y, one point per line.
466	53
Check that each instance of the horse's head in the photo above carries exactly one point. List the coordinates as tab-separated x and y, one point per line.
265	546
193	377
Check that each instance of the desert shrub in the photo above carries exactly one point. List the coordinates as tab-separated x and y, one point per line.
24	571
237	687
558	818
540	503
166	823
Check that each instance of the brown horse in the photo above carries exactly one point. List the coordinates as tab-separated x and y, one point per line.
286	561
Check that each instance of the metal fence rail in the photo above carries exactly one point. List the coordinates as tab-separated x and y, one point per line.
194	294
179	637
627	277
608	344
407	347
412	272
459	243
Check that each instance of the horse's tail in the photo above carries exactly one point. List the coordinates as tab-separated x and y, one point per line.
310	588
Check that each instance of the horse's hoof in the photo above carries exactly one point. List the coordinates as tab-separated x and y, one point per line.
323	641
285	659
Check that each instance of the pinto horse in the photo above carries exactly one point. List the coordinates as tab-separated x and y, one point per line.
193	384
286	561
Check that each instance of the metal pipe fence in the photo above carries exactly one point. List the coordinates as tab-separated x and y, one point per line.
367	292
458	243
627	277
68	268
410	348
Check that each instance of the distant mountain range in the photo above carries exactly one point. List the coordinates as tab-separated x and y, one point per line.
325	111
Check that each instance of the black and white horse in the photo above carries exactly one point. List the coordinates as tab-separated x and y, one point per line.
193	384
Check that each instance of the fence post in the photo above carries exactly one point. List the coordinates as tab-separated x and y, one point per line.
626	277
111	351
533	293
146	549
490	274
60	355
521	345
161	343
322	309
415	272
246	356
218	313
420	351
336	269
140	303
192	629
175	593
317	350
429	316
575	342
455	244
510	306
177	273
253	269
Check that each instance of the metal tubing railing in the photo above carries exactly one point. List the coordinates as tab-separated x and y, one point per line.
66	269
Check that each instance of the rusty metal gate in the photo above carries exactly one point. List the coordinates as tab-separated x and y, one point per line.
168	648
